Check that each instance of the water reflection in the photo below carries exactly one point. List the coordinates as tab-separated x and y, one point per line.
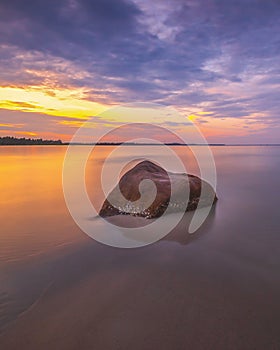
210	280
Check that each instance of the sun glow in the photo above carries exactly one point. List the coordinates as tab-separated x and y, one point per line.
55	102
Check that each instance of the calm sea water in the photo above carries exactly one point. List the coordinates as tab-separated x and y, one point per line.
220	285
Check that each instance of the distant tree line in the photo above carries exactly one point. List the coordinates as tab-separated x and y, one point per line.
10	140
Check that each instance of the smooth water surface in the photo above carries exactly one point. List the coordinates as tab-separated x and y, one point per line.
216	289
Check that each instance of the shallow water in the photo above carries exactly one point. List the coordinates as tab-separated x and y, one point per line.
218	288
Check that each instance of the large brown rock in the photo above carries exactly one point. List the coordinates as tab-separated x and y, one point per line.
138	204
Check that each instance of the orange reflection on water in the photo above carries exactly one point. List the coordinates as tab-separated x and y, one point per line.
33	212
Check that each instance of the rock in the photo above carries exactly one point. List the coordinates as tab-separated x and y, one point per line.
138	204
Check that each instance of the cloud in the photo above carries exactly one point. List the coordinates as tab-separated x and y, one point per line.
214	56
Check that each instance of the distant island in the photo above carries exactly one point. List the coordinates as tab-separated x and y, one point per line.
10	140
15	141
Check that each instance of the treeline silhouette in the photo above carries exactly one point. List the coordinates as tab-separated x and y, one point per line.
10	140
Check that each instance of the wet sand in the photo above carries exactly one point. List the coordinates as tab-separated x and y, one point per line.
217	289
183	292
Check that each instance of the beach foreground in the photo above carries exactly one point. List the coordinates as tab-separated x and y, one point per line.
216	289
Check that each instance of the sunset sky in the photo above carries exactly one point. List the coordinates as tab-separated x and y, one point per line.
63	61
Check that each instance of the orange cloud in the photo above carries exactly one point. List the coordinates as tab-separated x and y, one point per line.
26	133
10	125
57	102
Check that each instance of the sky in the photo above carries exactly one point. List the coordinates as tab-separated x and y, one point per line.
215	61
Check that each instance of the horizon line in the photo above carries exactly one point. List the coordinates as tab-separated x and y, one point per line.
22	141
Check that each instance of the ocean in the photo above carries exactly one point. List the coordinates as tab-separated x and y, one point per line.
215	289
